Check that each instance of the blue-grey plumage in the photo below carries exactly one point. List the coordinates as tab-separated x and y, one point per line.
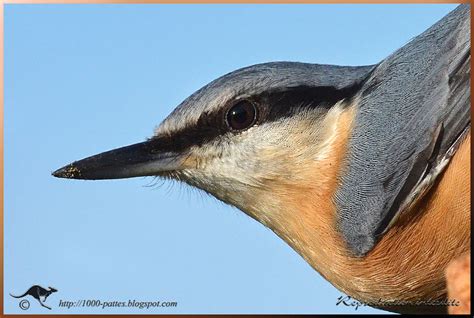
418	96
338	161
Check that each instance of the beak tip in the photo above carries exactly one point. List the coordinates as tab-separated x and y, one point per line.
68	172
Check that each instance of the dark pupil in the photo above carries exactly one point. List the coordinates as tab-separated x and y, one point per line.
241	116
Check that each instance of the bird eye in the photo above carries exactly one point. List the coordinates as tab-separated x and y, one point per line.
242	115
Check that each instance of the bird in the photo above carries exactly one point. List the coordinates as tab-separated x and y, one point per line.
363	170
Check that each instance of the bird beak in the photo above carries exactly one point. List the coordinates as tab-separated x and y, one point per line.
137	160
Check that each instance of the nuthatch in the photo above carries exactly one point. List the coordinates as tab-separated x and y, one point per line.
364	171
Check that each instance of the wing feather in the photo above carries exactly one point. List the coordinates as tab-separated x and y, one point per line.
412	112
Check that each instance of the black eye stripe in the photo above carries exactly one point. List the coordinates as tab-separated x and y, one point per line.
270	106
285	102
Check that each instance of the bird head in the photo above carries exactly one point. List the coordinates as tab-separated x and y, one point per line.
328	157
257	138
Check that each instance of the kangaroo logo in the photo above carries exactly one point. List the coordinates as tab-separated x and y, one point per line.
37	292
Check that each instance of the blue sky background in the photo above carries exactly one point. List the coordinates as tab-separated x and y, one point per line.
81	79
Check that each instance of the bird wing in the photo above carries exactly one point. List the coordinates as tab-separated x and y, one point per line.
412	113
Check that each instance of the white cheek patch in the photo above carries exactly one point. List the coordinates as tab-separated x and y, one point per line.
268	148
236	168
330	123
236	161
